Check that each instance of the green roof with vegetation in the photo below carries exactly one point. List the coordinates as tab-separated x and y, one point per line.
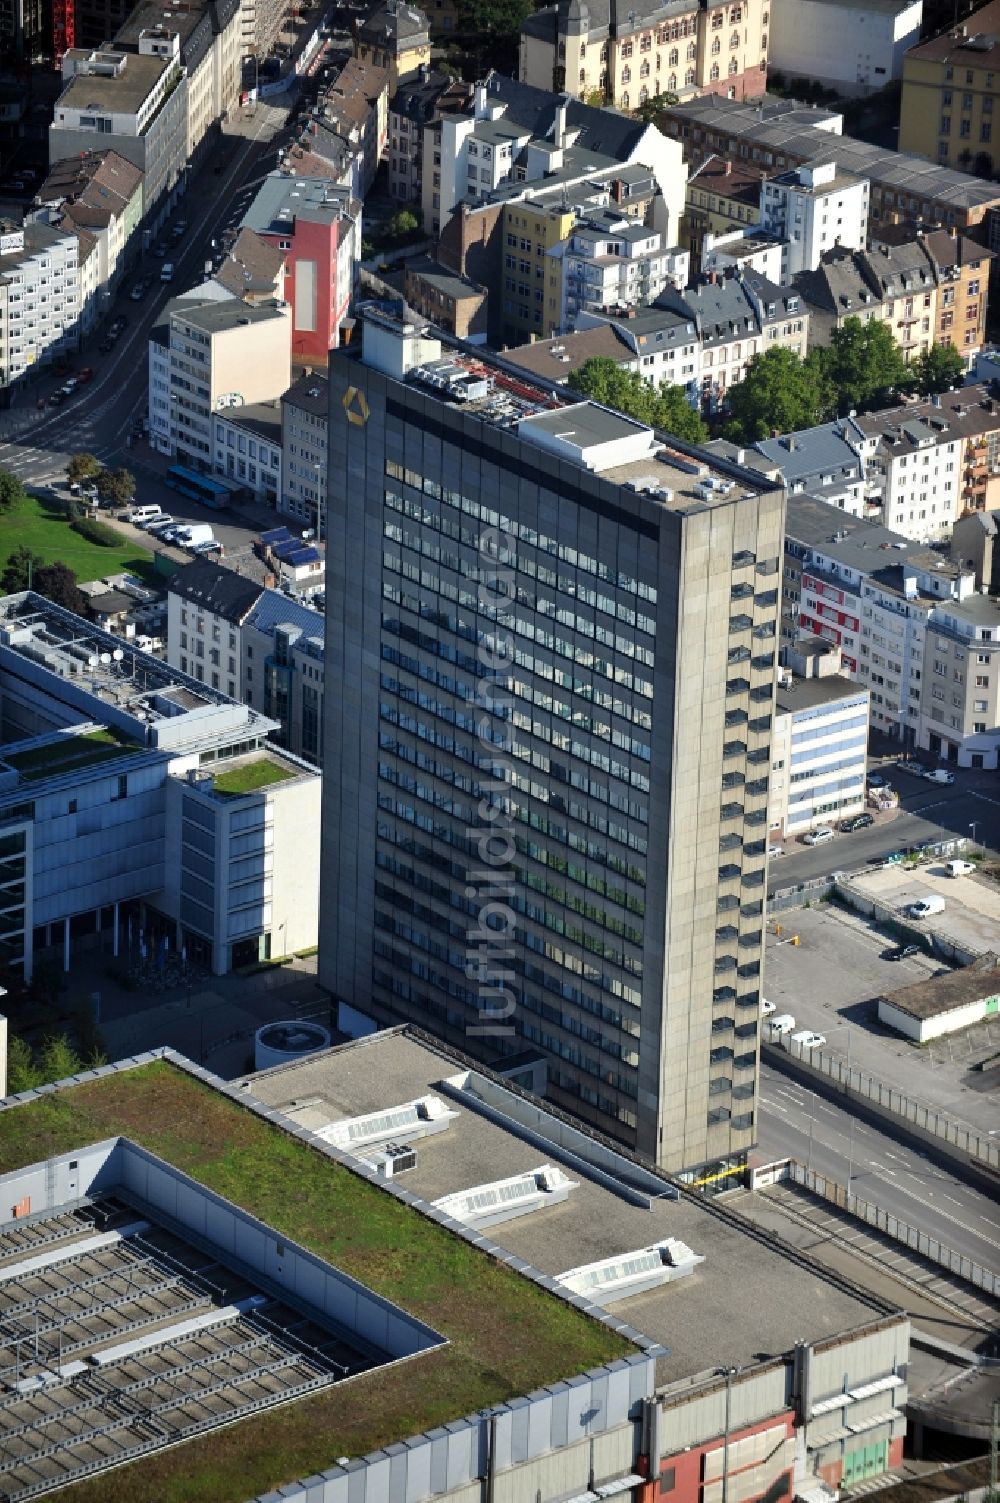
506	1335
247	777
68	754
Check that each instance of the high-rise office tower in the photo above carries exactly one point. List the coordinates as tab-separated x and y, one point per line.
550	654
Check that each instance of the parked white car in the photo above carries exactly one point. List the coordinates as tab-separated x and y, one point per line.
808	1039
819	836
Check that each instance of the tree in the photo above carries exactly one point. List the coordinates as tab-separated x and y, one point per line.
604	380
402	223
864	365
58	1059
12	492
57	583
116	486
491	33
650	109
983	165
939	368
779	393
83	466
22	1072
20	569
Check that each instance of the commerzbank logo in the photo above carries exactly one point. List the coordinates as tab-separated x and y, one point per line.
356	406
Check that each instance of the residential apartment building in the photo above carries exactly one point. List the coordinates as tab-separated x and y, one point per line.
209	40
974	544
742	251
627	57
929	462
663	344
872	594
316	226
960	706
819	750
515	135
132	102
253	269
246	448
810	210
609	261
850	46
950	89
208	355
838	289
960	267
304	422
395	36
349	128
40	299
100	194
737	318
722	195
261	22
778	134
824	461
905	284
269	648
636	951
135	813
416	104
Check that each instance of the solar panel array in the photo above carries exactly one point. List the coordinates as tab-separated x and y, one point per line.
66	1295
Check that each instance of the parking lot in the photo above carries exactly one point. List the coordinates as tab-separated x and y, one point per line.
971	915
830	981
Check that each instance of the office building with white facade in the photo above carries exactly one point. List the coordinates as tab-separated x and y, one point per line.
636	793
819	752
141	810
609	261
40	297
811	210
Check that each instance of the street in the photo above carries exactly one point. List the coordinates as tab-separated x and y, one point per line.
100	415
794	1121
926	813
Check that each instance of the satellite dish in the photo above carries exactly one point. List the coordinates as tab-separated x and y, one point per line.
105	658
117	654
92	661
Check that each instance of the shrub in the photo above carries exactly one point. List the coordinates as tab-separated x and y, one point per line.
96	532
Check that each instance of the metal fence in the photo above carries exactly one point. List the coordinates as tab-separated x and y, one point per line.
919	1242
982	1151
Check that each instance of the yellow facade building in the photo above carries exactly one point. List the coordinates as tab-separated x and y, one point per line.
951	84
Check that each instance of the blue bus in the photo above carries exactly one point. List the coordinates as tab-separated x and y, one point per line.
201	488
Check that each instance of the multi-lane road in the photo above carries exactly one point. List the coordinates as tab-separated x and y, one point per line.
100	414
904	1180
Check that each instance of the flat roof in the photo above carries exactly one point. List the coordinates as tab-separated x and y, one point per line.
807	693
504	1334
282	198
943	994
125	93
972	44
749	1296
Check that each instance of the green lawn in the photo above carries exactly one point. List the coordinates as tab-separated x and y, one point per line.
68	752
41	525
506	1336
251	776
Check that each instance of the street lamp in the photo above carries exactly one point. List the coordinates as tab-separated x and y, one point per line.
972	827
729	1374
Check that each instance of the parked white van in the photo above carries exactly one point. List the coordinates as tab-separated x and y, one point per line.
782	1024
958	868
140	514
926	906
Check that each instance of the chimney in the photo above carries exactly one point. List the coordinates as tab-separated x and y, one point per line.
727	172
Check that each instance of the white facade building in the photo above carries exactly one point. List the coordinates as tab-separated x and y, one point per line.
852	46
818	754
246	448
913	471
960	705
812	209
609	261
303	438
40	296
144	812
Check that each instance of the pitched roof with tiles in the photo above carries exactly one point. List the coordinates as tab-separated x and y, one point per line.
212	587
252	267
559	358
